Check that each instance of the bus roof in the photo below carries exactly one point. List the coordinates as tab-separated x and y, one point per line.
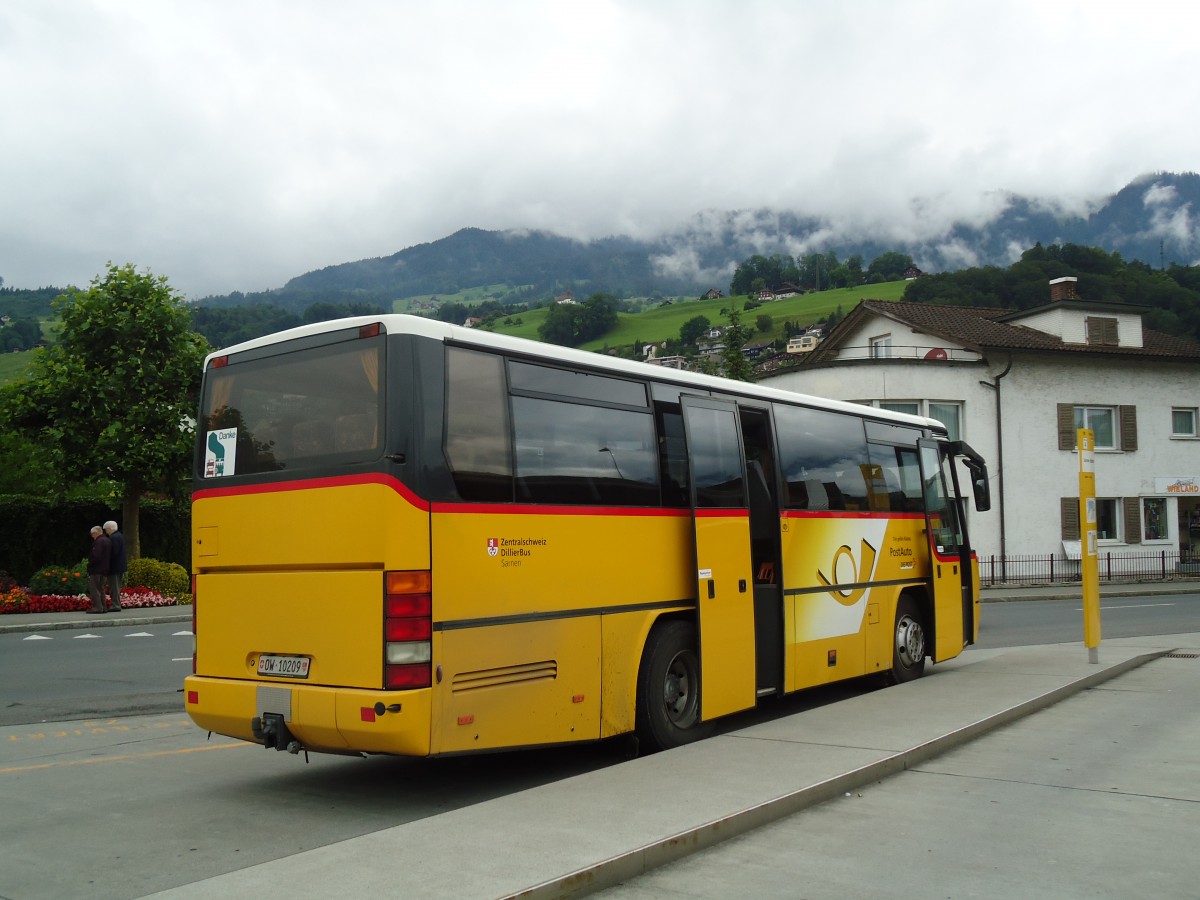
394	323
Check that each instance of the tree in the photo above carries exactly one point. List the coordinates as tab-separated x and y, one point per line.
691	330
733	360
114	397
889	266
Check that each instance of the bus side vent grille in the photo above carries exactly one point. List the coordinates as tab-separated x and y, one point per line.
505	675
1178	655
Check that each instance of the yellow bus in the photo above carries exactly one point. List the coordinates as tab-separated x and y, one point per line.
420	539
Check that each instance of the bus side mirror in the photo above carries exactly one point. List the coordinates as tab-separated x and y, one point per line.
980	487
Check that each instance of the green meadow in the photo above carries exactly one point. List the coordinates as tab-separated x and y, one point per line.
663	322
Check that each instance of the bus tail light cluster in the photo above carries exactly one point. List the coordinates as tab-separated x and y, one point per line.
407	630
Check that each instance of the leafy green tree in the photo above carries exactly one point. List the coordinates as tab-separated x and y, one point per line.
572	324
889	266
691	330
733	361
559	325
764	323
115	396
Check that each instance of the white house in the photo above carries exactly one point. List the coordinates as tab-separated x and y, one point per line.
1015	385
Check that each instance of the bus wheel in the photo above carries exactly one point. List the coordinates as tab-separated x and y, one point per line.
908	648
668	697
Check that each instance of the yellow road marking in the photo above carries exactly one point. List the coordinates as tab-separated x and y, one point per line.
125	756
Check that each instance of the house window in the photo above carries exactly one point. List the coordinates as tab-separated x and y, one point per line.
947	412
1117	519
1100	419
1183	421
1108	519
881	347
1154	519
1114	427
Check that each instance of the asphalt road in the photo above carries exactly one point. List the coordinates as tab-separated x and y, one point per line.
116	671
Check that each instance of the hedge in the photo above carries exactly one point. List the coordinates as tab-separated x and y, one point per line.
40	533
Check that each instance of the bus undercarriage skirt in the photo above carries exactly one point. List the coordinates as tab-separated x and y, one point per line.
272	730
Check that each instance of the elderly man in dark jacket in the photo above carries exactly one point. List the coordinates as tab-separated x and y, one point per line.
98	561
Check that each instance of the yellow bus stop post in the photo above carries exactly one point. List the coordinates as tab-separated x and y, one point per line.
1085	440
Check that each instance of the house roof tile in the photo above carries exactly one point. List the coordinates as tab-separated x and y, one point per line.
980	328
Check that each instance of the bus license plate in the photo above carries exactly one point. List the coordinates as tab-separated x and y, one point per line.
283	666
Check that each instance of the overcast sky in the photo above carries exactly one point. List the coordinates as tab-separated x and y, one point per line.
233	144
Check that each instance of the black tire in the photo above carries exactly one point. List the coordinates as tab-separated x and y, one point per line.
909	644
668	690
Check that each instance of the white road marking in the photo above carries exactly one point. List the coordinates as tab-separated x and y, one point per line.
183	634
37	637
79	637
140	634
1131	606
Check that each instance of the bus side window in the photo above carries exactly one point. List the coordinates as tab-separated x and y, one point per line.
821	454
672	457
478	433
312	439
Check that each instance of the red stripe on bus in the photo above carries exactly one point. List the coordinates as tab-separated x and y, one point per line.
310	483
529	509
846	514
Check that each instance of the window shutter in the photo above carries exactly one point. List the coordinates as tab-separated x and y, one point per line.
1101	330
1128	427
1069	515
1066	426
1133	520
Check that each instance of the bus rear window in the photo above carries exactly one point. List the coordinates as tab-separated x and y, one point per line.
310	407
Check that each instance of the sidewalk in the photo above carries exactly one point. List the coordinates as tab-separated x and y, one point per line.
608	828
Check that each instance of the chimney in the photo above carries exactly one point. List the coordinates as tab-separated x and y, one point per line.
1064	288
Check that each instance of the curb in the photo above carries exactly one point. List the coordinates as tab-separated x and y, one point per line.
115	622
611	872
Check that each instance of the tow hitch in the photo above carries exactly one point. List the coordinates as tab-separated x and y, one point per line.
274	733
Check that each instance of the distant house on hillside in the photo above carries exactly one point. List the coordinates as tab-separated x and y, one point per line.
472	321
787	289
568	297
766	294
912	272
712	294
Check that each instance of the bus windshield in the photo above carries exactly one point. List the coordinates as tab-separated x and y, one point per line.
303	405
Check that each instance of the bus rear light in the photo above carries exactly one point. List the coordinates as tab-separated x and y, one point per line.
414	582
193	697
373	330
407	652
408	605
407	629
403	677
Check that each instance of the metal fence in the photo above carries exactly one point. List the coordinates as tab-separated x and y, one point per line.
1164	565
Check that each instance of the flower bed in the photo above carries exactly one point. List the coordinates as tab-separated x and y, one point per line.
19	600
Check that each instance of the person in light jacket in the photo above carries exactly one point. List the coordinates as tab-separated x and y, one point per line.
118	563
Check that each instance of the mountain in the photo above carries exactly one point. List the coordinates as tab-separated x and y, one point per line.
1154	219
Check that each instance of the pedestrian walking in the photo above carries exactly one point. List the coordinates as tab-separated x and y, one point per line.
98	561
117	563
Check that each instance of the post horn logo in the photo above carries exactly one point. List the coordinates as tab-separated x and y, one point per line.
851	591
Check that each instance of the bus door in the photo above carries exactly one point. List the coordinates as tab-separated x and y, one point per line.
720	515
949	552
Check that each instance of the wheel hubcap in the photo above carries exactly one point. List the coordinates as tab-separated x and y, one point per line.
678	689
910	641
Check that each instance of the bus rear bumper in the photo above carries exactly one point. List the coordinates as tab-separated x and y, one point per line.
322	719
